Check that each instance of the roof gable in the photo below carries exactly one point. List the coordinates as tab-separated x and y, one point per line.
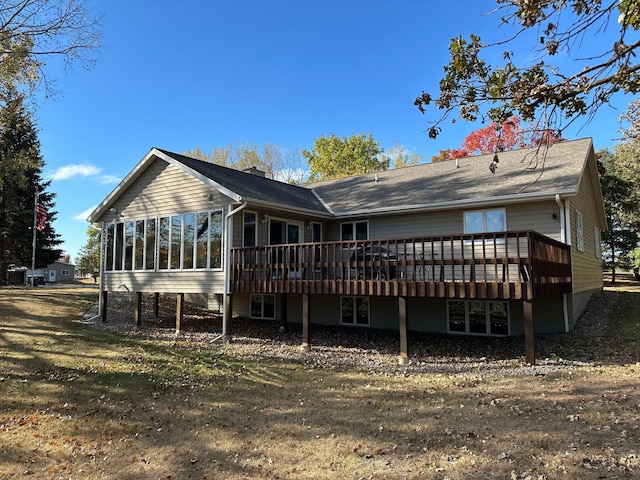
253	188
238	186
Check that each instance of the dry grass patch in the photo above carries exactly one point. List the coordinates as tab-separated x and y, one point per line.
81	403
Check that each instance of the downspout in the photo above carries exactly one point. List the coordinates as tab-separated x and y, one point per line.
101	273
227	264
563	238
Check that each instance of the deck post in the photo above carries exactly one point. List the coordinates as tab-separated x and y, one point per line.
283	312
306	337
228	308
179	311
529	332
138	310
103	307
404	331
156	303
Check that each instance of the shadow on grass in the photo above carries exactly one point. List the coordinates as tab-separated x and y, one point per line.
128	407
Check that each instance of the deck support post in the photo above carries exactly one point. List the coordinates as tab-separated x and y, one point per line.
404	331
283	312
138	310
103	307
226	319
179	311
156	304
529	332
306	334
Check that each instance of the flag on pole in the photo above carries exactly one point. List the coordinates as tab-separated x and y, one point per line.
41	213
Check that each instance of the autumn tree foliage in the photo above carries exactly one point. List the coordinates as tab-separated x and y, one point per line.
494	81
510	135
335	157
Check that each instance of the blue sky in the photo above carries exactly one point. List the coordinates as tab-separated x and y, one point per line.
202	73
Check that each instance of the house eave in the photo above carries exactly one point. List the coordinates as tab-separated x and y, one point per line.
304	211
466	203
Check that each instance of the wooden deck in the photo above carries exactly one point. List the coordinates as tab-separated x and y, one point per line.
507	265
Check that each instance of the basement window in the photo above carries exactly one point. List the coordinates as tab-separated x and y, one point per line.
474	317
354	311
263	306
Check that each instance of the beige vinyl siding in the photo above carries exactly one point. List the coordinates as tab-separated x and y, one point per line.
173	281
537	216
164	190
587	268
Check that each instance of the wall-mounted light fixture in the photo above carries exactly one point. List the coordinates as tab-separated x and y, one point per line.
265	218
113	210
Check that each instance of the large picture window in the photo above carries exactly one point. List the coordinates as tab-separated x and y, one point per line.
180	242
478	317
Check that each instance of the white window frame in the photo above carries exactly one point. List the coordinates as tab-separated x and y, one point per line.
262	297
111	243
255	233
312	225
579	231
488	318
484	219
353	230
354	299
287	222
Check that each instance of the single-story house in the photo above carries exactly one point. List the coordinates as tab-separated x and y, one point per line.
446	247
56	272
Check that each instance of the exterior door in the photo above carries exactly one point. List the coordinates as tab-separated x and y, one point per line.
285	258
52	276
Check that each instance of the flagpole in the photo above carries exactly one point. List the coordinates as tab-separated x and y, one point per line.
33	244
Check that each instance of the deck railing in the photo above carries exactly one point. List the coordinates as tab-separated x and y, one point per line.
519	265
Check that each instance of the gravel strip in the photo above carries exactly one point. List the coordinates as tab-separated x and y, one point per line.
371	350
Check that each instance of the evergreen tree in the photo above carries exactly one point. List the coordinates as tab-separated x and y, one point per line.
20	178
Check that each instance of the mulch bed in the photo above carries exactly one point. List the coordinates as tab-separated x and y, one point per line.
369	349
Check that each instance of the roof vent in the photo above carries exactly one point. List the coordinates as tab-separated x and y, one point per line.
255	171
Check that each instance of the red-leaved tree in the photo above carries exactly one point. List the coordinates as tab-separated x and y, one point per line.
509	136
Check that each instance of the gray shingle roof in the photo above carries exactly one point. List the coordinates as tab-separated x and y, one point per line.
253	187
559	171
